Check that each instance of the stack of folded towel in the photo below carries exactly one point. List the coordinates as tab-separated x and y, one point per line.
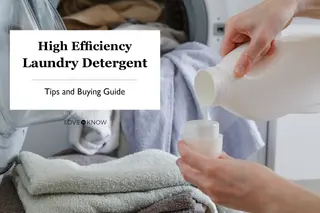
145	182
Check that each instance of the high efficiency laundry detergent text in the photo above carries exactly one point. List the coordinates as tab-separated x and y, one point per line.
84	62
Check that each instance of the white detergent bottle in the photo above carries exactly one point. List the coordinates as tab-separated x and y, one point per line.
284	83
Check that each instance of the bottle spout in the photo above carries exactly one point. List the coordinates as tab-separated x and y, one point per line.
211	84
205	89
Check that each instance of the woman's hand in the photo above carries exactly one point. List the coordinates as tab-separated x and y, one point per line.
259	26
233	183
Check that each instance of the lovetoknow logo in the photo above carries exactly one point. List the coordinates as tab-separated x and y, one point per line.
85	122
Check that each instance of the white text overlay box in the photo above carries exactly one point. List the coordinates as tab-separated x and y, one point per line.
85	70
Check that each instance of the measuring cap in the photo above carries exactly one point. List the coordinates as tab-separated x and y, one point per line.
201	130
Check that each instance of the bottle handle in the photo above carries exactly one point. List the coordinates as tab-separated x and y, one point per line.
259	67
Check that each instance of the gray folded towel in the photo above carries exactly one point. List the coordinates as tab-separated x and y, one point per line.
181	203
9	200
129	184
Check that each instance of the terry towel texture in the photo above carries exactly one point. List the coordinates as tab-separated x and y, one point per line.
82	160
9	199
99	132
181	203
162	129
129	184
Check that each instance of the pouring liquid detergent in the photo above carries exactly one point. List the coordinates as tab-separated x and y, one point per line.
284	83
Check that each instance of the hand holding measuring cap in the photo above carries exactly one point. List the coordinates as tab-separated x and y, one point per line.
234	183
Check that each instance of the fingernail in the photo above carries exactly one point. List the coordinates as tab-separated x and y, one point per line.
239	71
178	162
182	150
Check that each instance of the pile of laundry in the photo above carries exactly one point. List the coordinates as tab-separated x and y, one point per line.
107	14
121	14
144	182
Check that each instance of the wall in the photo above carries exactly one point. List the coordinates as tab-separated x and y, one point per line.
298	146
295	140
236	6
306	21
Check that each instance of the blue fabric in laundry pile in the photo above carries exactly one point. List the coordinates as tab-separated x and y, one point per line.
162	129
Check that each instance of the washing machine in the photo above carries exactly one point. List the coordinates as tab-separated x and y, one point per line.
207	18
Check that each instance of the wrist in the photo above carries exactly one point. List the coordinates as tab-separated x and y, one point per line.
280	195
289	197
274	199
269	195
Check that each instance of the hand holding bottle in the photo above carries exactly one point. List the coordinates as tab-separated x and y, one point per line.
259	26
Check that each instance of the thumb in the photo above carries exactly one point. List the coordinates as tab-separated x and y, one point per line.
251	55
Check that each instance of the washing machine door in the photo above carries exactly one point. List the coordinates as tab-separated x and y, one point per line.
198	20
19	15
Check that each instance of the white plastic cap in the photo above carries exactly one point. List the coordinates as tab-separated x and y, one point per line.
203	136
214	149
201	130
